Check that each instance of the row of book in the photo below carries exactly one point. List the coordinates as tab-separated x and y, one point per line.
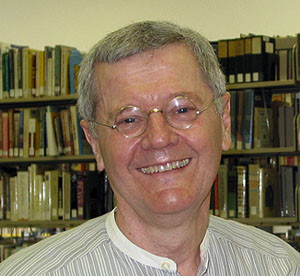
256	190
41	131
261	119
39	194
27	72
252	58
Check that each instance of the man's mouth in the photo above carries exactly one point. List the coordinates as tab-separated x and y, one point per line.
165	167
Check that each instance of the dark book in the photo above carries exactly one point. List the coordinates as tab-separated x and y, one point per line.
298	58
263	58
233	116
94	192
248	60
232	61
232	192
240	60
223	57
248	118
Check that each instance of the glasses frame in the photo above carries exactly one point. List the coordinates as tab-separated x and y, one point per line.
154	110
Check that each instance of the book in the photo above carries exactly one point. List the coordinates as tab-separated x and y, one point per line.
52	146
284	47
266	192
262	127
67	131
49	70
232	61
242	191
4	48
13	198
248	118
263	58
223	190
248	60
239	120
93	194
253	178
66	194
22	195
223	57
80	195
240	60
11	136
1	133
52	176
232	192
5	134
287	188
74	65
46	203
233	116
16	132
61	77
298	57
216	195
74	205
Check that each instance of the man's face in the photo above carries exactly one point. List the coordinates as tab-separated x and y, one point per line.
150	80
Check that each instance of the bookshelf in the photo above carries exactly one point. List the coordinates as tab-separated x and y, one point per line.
43	82
87	158
287	86
41	224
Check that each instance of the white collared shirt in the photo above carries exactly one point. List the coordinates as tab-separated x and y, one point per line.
98	247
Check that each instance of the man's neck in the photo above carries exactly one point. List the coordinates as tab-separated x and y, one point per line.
177	237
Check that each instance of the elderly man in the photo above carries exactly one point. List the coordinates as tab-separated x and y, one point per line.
157	117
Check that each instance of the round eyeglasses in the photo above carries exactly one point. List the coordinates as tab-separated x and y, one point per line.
180	112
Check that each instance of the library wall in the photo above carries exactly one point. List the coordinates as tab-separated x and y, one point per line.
81	23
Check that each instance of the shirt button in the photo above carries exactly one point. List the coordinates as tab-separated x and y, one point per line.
165	265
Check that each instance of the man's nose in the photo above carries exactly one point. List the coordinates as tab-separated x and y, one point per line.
159	133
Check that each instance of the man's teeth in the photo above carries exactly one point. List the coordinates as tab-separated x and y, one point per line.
165	167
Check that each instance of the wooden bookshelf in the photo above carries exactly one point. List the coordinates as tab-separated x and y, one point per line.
263	151
38	101
41	223
49	159
263	84
269	221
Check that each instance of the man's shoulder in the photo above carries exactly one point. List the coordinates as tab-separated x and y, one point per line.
57	250
250	239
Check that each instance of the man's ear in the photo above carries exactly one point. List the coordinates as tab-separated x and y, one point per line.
226	123
94	143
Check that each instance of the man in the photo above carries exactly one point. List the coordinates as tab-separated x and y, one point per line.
157	117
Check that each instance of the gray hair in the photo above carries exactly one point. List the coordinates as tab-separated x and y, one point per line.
137	38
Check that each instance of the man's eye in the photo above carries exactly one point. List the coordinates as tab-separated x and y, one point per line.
183	110
129	120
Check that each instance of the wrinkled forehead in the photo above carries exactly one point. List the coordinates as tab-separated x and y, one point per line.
170	69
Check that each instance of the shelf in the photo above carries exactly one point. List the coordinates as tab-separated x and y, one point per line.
269	221
49	159
39	101
263	151
41	224
262	84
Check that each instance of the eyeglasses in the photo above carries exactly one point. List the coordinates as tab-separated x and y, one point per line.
180	113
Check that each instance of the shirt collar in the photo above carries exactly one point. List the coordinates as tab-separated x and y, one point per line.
145	257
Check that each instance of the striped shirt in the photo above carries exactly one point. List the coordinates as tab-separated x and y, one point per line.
98	247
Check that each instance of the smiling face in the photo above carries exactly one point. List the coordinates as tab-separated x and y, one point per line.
165	170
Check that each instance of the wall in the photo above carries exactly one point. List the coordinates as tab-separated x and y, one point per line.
80	23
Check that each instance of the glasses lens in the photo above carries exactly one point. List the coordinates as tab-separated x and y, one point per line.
131	121
181	112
